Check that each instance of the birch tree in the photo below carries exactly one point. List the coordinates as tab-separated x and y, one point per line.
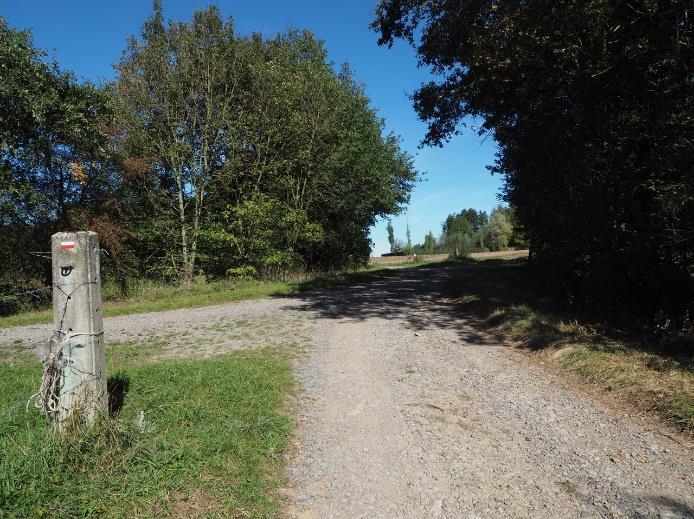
176	88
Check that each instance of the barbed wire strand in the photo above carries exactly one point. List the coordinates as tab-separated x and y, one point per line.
58	360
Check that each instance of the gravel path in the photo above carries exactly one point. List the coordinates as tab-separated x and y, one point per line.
406	410
206	331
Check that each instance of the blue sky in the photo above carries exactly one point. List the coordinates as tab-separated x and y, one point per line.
87	36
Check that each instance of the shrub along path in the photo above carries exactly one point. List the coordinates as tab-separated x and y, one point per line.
408	406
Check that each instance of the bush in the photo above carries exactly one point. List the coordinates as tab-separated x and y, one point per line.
244	273
9	305
27	296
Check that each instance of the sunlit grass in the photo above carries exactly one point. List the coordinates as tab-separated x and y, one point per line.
150	297
211	443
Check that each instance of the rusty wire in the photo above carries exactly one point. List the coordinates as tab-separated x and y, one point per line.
57	360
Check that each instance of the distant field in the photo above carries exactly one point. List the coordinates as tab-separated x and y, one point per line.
391	260
504	254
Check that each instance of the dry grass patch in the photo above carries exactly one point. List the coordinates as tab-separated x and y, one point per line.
644	380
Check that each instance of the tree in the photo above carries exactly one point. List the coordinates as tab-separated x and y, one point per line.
306	137
458	229
591	106
177	90
429	243
459	223
209	154
409	238
257	149
54	166
391	236
500	228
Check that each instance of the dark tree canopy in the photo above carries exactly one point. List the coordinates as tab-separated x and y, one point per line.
53	169
591	106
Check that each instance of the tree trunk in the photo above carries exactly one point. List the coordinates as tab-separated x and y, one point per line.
187	271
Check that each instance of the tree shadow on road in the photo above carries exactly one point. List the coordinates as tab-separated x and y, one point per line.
667	507
502	302
465	296
418	297
488	302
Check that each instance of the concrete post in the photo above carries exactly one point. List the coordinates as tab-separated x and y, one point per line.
79	338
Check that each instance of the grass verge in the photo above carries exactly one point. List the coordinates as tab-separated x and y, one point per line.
211	444
506	298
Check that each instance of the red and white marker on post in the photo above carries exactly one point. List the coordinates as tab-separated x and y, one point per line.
78	345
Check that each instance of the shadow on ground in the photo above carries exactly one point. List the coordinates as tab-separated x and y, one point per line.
667	507
117	387
464	296
486	301
502	302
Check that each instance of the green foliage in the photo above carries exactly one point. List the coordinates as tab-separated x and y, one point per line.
473	231
499	229
211	152
317	153
265	234
285	167
429	243
591	105
54	171
215	431
175	90
391	236
244	273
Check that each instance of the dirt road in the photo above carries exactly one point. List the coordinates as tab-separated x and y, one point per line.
406	410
